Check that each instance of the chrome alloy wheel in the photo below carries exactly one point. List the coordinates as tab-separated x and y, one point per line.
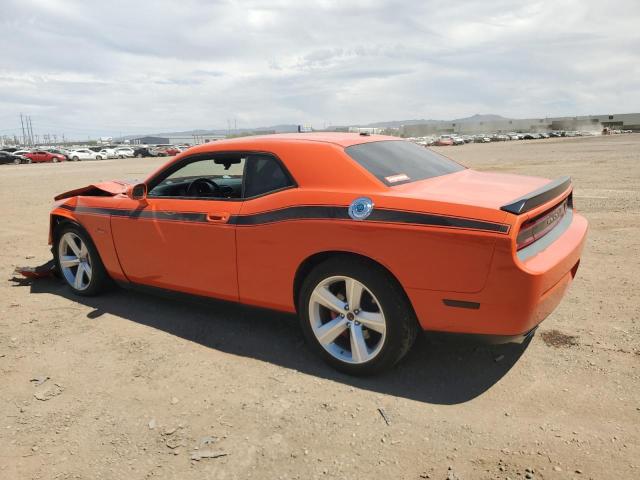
347	319
75	261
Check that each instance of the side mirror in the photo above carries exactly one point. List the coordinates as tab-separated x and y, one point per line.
137	191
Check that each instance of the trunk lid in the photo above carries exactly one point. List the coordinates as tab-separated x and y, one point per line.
470	187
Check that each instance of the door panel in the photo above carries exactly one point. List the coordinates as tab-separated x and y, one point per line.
179	244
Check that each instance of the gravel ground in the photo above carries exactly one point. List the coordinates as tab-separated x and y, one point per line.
132	386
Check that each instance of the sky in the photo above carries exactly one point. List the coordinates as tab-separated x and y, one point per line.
91	68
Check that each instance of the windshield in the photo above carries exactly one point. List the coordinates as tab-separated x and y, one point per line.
395	162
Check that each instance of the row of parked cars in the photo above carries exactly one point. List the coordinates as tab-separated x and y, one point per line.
446	140
17	156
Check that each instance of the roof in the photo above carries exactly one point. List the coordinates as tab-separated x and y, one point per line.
337	138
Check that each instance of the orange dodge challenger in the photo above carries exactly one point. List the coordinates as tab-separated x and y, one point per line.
368	238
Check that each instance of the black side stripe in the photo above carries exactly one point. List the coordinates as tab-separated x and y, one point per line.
308	212
398	216
158	214
312	212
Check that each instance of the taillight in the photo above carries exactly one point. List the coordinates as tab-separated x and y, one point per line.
535	228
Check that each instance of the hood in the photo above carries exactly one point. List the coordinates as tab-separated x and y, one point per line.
102	189
469	187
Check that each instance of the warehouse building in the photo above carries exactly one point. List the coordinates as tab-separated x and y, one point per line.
175	139
622	121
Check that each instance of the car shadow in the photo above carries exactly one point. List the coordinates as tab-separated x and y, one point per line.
440	369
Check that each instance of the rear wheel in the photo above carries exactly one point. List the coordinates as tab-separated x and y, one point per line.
17	161
78	261
55	160
98	157
139	155
75	159
356	316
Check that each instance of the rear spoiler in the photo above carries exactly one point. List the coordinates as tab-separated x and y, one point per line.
538	197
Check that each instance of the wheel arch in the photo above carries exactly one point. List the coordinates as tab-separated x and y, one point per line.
58	218
312	261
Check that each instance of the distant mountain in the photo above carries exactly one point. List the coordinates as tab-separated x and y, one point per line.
480	118
398	123
289	128
423	121
218	131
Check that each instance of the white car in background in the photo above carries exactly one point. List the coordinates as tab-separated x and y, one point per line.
84	154
108	153
125	152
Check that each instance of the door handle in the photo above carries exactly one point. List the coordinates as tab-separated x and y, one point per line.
218	217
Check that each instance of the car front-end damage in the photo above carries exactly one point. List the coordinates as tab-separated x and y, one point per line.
102	189
80	206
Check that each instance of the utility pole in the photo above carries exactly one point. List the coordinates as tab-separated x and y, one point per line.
24	138
33	139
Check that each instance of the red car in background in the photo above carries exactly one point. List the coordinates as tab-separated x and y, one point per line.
40	156
443	142
172	151
166	151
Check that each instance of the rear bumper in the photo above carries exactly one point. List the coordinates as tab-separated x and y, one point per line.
518	295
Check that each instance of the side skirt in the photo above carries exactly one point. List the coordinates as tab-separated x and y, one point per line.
195	299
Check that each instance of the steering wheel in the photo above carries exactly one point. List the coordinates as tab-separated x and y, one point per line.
202	187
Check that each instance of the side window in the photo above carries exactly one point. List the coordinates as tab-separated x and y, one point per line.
264	174
218	177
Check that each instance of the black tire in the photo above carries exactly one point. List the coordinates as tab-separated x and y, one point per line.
75	159
139	155
17	161
98	157
100	279
401	323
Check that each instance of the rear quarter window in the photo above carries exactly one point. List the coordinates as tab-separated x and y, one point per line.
395	162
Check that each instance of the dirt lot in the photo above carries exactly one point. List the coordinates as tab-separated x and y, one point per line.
138	384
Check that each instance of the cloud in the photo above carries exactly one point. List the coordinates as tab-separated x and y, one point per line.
97	68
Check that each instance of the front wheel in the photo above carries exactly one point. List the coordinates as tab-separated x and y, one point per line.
78	261
75	159
356	316
98	157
